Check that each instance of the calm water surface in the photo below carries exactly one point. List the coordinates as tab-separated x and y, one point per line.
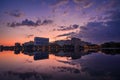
59	66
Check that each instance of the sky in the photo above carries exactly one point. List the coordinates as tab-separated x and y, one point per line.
95	21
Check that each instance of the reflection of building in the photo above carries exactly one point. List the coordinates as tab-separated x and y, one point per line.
17	47
54	47
41	41
92	46
17	44
1	47
17	51
40	55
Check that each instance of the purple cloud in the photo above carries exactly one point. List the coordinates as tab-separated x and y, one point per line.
30	23
71	27
66	34
15	13
30	35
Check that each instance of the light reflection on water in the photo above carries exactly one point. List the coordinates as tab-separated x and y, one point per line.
59	66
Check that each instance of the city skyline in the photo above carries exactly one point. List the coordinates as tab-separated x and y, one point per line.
95	21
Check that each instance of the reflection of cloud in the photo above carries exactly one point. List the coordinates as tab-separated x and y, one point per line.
31	23
24	76
15	13
28	61
67	69
66	62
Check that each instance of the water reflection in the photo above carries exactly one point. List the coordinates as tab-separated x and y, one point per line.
60	65
40	55
24	76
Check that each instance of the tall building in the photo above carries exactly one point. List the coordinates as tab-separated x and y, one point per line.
41	41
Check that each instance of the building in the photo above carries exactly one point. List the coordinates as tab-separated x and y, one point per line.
28	46
28	43
17	44
76	41
41	41
63	42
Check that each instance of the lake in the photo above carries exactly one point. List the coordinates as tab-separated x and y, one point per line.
82	65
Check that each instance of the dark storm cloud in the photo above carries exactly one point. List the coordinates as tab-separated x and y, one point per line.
66	34
15	13
31	23
71	27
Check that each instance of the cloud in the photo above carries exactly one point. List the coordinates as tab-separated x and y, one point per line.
108	5
59	3
105	28
83	28
87	5
83	3
15	13
93	18
25	22
65	13
67	34
31	23
100	31
30	35
56	5
45	22
71	27
113	15
78	1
